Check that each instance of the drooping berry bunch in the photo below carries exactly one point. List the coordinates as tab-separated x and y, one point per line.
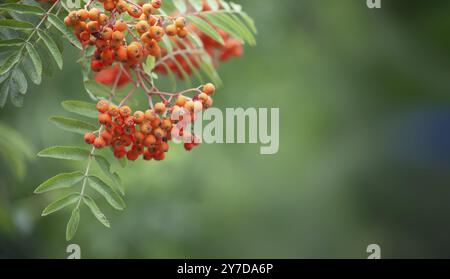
232	47
115	39
134	134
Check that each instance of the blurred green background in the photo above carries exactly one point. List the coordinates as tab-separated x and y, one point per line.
364	149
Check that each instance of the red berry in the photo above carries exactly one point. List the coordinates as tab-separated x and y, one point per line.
89	138
99	143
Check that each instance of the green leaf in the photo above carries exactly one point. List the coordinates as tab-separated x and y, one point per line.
81	108
33	65
11	42
123	162
60	181
52	48
229	25
213	4
22	9
97	89
206	28
149	64
197	4
63	29
73	125
4	90
16	24
65	153
19	79
14	95
105	166
13	158
180	5
95	210
72	225
10	62
13	138
107	192
61	203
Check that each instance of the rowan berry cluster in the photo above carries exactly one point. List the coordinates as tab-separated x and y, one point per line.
134	134
115	39
217	51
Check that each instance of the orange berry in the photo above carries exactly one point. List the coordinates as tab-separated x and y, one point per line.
182	32
134	11
99	143
107	136
156	32
152	20
150	115
93	26
146	128
68	21
146	38
73	16
147	155
101	44
113	110
181	100
189	106
85	36
102	19
147	9
155	123
125	111
203	97
96	65
102	106
159	133
120	54
138	137
149	140
160	107
94	14
82	15
171	30
117	36
121	6
80	27
109	5
156	4
209	102
153	48
139	117
133	50
107	33
209	88
120	26
107	56
142	27
129	121
164	147
180	22
132	155
104	118
159	156
166	124
116	44
89	138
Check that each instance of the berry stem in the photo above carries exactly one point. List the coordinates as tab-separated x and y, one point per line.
44	17
86	172
178	52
